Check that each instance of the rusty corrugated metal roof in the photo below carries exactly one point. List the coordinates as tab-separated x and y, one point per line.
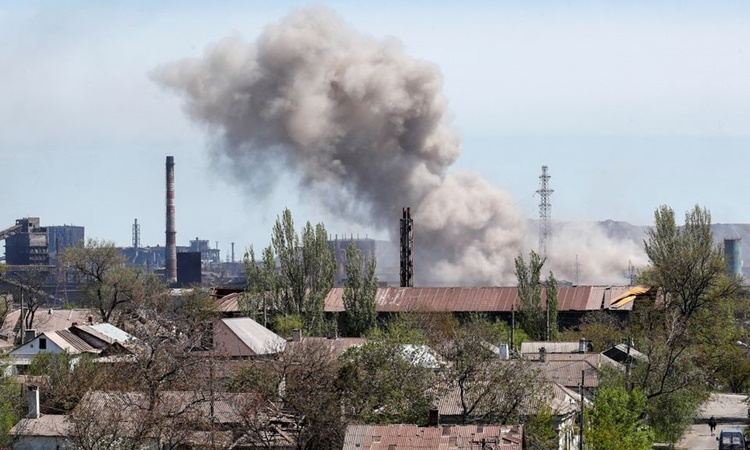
477	299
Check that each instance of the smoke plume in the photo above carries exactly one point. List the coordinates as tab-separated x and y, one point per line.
364	126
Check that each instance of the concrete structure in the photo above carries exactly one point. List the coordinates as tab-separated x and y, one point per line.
339	248
61	237
733	256
188	269
171	242
26	243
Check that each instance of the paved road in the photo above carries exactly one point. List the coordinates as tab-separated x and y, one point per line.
729	410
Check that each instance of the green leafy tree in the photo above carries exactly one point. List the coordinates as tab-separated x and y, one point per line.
530	295
387	380
684	261
538	321
616	421
540	429
263	294
11	407
685	323
360	291
306	271
553	333
108	284
490	390
69	377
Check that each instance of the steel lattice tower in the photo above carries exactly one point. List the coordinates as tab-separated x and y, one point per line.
545	211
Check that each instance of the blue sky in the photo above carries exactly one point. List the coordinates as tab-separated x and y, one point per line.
630	104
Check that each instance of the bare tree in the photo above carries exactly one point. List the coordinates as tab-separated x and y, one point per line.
27	288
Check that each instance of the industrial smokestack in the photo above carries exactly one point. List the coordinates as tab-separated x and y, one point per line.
407	249
170	272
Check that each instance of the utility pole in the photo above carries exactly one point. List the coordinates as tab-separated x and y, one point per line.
580	430
513	327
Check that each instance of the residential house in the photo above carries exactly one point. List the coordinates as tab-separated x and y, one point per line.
562	403
178	419
44	320
413	437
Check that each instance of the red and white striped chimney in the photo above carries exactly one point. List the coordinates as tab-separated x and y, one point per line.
170	269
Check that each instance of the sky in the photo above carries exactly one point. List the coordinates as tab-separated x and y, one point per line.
631	105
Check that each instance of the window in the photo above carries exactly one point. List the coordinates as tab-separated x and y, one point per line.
42	343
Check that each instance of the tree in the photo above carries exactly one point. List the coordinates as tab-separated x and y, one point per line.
388	380
107	283
676	331
28	283
360	291
68	378
617	421
553	332
685	262
490	390
539	322
263	293
11	407
306	270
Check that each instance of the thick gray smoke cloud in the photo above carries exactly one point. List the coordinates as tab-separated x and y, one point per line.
365	126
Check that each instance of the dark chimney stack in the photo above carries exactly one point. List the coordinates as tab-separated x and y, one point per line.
407	249
170	270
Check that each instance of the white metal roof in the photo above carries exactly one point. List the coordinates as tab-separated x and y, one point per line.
258	338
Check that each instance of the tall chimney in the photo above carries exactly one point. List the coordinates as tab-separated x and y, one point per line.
34	412
407	249
170	272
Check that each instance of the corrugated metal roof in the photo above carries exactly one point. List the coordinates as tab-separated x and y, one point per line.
413	437
70	342
112	332
229	303
258	338
478	299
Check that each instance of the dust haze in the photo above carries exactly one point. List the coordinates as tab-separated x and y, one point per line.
365	127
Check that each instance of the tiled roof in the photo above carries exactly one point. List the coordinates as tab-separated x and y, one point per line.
412	437
479	299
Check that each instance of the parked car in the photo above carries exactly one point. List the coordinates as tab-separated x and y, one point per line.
731	439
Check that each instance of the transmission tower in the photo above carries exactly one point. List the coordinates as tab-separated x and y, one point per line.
545	211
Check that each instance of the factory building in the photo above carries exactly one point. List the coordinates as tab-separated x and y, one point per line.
26	243
60	237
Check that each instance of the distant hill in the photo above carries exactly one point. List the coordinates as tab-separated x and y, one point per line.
721	231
